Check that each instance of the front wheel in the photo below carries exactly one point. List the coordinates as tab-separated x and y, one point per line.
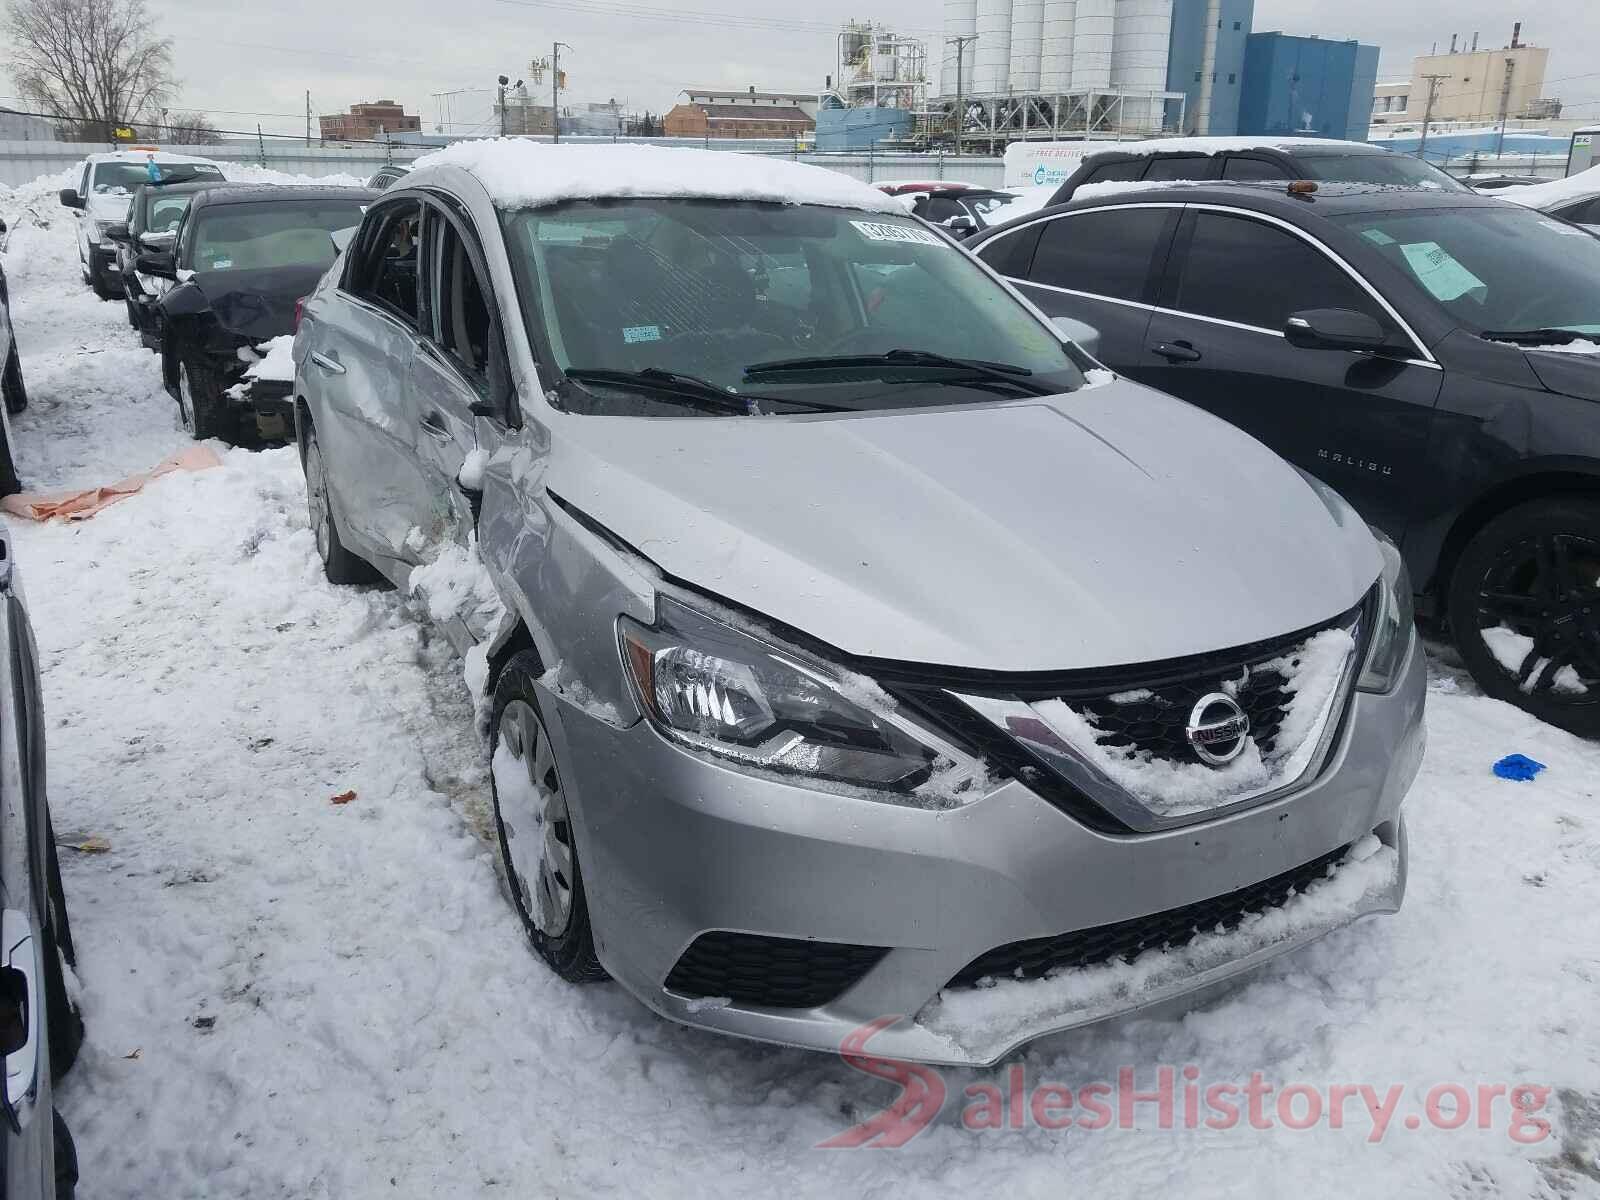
1525	610
339	564
538	842
200	401
16	393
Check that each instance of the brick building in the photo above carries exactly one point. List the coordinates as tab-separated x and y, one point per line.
368	122
736	114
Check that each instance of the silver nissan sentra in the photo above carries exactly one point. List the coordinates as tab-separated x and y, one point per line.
852	645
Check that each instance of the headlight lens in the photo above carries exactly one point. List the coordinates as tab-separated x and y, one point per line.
1396	618
720	689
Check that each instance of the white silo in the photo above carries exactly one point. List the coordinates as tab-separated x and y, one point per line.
1093	35
1027	38
1141	36
960	20
1055	45
992	72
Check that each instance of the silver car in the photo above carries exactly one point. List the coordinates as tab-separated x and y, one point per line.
857	653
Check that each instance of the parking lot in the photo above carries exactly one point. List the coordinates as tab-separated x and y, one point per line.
289	992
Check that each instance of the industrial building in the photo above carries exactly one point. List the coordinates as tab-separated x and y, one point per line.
731	113
879	89
1307	87
368	122
1471	85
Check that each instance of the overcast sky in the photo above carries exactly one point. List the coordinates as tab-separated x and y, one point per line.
249	62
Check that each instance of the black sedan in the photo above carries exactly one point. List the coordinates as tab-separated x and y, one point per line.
244	256
40	1030
1426	353
153	218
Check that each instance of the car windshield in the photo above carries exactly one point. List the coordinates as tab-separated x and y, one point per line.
252	236
790	301
1377	168
1496	269
125	176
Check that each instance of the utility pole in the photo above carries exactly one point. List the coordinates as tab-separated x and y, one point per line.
1505	105
555	90
308	117
1433	88
504	79
960	43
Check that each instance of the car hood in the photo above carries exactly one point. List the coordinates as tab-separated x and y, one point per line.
259	303
1112	525
1572	373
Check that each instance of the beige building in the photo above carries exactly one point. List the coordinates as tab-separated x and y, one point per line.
1476	80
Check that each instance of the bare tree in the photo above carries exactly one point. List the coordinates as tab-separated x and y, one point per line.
96	64
189	129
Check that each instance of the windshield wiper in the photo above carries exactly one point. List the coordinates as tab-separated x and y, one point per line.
1007	373
1534	337
691	388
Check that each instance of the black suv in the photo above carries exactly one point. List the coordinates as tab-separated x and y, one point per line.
1242	161
1424	352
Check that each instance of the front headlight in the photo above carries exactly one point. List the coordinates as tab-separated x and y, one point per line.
720	689
1396	617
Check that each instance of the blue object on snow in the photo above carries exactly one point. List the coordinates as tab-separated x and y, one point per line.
1518	767
152	170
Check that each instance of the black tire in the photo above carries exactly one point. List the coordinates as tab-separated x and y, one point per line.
133	313
338	563
1535	570
66	1022
60	925
201	406
10	484
569	949
16	392
103	287
66	1160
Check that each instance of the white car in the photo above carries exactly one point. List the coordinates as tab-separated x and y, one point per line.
106	183
1575	198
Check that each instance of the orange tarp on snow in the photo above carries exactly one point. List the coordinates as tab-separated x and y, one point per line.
80	506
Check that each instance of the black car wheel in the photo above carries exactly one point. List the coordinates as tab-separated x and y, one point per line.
538	846
133	313
63	1016
66	1160
103	286
339	564
16	394
1525	610
200	400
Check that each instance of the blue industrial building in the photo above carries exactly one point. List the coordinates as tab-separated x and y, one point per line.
1307	87
1218	114
840	128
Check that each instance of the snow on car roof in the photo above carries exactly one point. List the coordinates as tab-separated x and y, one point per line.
1543	195
525	174
1220	145
140	156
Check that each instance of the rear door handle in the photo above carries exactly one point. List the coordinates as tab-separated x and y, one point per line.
1176	351
331	365
21	1004
435	428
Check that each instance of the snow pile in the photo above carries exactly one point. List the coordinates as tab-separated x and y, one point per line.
1118	187
524	174
1313	675
1010	1007
1511	650
471	474
1576	346
276	363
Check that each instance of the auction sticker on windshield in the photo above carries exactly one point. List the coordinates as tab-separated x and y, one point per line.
881	231
1438	271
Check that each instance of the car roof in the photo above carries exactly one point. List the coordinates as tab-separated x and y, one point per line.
185	188
254	193
1189	147
142	156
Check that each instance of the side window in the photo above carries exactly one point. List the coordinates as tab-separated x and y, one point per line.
1118	172
1585	212
940	209
385	271
1285	274
1012	253
1251	168
460	303
1185	166
1108	252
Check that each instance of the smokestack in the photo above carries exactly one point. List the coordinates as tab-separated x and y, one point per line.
1474	41
1452	43
1516	35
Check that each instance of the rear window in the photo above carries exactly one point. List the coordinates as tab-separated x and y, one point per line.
240	237
125	176
1187	166
1117	172
1108	252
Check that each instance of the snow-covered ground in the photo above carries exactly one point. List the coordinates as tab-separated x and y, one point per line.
292	997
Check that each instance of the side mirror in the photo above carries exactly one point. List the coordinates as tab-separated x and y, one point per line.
117	232
70	198
159	239
961	227
1334	329
1081	333
162	264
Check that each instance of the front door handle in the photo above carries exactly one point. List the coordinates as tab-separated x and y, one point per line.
19	1008
434	427
331	365
1176	351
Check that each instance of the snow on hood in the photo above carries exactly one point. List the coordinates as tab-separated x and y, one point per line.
1544	195
524	174
1113	187
1108	526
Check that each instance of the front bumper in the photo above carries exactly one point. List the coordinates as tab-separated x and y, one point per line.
269	402
674	846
